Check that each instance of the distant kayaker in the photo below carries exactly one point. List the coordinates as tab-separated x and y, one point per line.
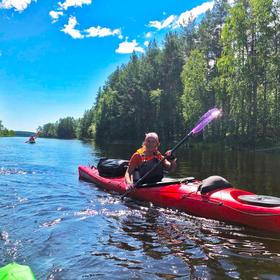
145	158
32	138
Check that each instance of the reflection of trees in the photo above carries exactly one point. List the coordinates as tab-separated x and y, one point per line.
254	171
115	150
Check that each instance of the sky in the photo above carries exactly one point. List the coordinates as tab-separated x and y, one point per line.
55	55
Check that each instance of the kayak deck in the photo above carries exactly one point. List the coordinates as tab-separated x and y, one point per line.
220	204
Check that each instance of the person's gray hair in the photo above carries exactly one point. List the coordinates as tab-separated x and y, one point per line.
152	135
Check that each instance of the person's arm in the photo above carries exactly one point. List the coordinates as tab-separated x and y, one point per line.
134	162
129	175
170	162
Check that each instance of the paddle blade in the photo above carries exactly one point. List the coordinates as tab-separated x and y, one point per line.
208	117
14	271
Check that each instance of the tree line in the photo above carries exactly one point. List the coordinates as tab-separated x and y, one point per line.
230	59
4	131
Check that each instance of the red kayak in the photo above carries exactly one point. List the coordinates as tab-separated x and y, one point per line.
217	200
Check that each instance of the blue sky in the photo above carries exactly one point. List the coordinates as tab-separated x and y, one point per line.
54	55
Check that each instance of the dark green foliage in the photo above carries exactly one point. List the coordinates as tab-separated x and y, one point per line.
85	129
48	130
249	70
65	128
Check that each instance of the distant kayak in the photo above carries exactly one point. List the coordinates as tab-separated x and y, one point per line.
212	198
32	139
14	271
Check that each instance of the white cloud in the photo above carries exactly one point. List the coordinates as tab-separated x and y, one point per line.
183	19
70	29
162	24
18	5
129	47
74	3
187	16
102	32
55	15
146	43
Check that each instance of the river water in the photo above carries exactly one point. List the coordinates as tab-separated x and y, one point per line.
68	229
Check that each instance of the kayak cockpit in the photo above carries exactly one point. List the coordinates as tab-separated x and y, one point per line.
260	200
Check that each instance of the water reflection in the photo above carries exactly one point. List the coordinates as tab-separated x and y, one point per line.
69	229
254	171
196	248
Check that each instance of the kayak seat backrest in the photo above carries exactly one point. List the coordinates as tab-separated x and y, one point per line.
112	168
213	183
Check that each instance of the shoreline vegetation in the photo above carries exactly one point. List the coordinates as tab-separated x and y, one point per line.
260	147
4	132
230	60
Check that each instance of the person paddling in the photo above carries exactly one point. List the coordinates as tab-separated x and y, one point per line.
31	139
146	158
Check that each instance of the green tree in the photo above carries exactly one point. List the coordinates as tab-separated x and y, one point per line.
197	96
66	128
171	68
48	130
84	125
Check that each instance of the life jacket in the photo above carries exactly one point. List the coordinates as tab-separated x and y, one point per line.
148	162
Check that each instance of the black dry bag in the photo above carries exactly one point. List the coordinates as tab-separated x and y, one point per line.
112	167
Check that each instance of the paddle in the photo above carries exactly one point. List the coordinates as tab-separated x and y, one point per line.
208	117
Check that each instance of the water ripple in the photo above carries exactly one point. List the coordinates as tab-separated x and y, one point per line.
68	229
52	223
12	171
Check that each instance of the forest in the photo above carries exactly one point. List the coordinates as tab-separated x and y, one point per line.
229	59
